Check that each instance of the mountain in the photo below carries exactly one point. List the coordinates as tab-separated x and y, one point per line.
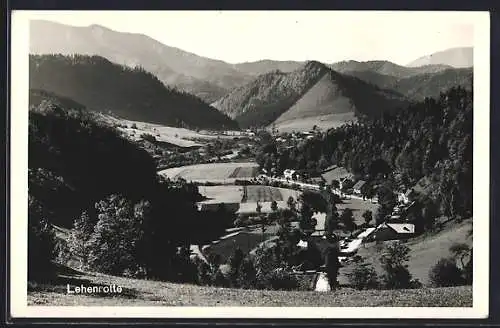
455	57
265	66
311	93
132	94
201	76
385	68
420	86
417	87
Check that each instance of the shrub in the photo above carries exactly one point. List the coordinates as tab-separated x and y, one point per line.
446	273
363	276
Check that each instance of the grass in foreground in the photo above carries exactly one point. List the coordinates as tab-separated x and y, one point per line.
149	293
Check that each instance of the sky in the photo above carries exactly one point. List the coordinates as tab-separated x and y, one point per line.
326	36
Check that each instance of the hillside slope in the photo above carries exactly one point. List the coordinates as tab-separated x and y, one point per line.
129	93
456	57
313	91
151	293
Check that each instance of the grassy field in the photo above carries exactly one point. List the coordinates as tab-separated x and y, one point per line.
261	194
426	250
224	194
323	122
215	172
179	136
151	293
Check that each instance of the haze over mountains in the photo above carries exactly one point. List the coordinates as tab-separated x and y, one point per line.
289	94
459	57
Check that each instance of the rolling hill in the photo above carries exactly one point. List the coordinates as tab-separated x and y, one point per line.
132	94
456	57
312	92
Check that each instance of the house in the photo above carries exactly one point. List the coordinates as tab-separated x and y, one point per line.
359	187
394	231
290	174
406	197
335	172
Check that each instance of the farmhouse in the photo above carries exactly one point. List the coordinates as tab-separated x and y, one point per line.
393	231
360	187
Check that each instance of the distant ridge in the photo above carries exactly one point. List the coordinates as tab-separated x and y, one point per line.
459	57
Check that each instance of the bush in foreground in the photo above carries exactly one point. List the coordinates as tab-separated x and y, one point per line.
445	273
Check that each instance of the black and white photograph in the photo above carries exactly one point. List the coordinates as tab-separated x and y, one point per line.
250	164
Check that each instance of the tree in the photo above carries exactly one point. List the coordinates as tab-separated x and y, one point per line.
335	184
347	219
394	262
113	246
83	227
235	262
41	242
363	276
332	265
368	217
247	274
274	206
445	273
291	203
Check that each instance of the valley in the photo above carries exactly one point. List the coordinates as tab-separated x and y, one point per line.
194	181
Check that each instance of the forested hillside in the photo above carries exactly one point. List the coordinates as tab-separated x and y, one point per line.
431	139
84	174
132	94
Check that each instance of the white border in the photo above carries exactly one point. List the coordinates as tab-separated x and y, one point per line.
19	195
